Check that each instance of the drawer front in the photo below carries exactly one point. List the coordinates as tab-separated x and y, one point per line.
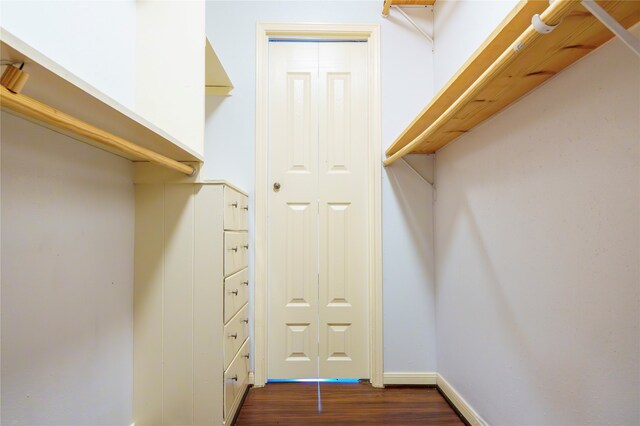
244	213
236	210
236	293
233	209
236	252
235	378
235	333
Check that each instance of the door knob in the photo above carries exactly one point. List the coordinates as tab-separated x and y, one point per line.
276	186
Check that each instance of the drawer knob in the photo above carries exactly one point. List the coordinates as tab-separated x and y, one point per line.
245	283
276	186
246	246
234	249
245	208
234	335
234	292
235	378
246	321
245	356
234	205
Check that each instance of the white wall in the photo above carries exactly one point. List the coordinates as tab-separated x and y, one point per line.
67	280
170	41
93	40
538	244
406	87
461	27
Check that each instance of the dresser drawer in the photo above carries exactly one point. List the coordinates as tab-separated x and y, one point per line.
244	213
235	378
235	333
236	210
236	293
236	252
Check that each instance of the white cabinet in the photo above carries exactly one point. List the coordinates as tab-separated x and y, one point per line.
191	312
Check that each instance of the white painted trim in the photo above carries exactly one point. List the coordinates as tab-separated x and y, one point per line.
459	402
252	378
410	378
371	33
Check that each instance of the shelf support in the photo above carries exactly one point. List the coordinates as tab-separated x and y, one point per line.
614	26
412	22
417	173
33	109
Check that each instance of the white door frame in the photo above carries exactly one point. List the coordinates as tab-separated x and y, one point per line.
370	33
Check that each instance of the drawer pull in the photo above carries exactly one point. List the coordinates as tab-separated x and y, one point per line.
235	378
234	249
246	321
245	283
234	292
245	208
246	246
234	335
234	205
245	356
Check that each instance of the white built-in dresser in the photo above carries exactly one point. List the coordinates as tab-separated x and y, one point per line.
191	312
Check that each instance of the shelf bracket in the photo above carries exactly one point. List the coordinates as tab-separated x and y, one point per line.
417	173
614	26
412	22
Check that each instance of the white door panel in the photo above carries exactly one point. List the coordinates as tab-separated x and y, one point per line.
343	195
293	222
318	230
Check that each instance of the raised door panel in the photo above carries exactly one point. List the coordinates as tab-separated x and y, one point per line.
293	211
343	194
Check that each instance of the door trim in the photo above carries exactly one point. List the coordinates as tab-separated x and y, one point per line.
370	33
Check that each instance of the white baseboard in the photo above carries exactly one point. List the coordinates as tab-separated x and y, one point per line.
410	378
252	378
458	401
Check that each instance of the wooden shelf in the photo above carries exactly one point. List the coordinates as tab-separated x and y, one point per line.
454	113
217	82
388	3
53	85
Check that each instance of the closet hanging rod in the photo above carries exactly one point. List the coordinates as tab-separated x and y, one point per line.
551	17
37	110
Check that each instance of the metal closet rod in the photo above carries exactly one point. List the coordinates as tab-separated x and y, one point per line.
551	16
37	110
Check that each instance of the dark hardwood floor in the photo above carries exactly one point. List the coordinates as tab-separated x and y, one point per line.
345	403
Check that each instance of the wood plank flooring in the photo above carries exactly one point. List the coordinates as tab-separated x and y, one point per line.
345	403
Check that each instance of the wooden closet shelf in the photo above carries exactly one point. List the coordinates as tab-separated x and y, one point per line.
388	3
497	74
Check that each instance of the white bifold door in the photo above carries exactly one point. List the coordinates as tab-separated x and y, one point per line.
318	291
